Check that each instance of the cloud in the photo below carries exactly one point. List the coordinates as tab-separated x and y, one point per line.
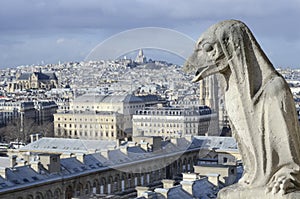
60	40
93	21
72	14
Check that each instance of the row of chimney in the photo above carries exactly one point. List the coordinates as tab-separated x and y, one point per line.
187	185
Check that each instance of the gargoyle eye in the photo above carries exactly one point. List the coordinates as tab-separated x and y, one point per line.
207	47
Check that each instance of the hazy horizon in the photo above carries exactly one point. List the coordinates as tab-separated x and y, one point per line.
39	31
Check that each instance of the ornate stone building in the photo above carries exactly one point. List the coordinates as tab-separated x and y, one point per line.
126	105
209	92
35	80
140	58
212	96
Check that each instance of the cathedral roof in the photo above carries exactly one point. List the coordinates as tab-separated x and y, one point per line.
40	76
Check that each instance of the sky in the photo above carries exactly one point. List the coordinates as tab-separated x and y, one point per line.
36	32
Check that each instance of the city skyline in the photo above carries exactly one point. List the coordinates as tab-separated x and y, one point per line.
43	32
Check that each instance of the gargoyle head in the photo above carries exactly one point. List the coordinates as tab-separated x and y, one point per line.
208	57
230	48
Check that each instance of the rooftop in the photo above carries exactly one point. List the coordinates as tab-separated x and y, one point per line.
97	98
67	145
108	157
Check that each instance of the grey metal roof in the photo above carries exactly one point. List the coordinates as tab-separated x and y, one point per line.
23	174
66	145
72	165
202	188
4	183
24	76
149	98
90	97
20	175
178	193
210	142
97	98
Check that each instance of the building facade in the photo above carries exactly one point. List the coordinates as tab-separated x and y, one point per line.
123	104
174	122
102	125
23	115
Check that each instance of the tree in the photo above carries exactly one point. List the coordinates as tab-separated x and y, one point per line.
46	129
19	131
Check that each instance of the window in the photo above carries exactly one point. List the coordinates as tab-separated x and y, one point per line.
225	160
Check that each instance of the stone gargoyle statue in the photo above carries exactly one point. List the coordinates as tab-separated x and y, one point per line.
260	107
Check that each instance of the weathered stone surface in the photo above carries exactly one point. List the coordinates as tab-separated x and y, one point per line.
242	193
260	107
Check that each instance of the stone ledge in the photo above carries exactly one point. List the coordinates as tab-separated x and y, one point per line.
234	192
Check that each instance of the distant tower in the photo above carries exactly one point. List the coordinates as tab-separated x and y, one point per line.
209	92
140	58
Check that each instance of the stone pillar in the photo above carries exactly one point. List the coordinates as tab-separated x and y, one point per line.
202	92
80	157
188	182
140	190
3	172
163	192
123	149
213	178
167	184
13	160
35	166
187	186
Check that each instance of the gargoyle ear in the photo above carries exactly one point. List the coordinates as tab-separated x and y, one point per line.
225	42
230	39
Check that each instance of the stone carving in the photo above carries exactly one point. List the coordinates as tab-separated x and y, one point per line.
260	107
